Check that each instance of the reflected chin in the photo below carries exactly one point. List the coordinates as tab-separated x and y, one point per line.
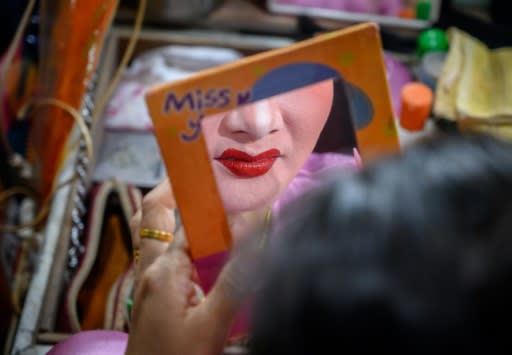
235	204
241	195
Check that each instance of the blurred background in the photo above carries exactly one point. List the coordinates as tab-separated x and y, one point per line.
52	173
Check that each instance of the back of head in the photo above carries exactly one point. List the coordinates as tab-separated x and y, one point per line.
412	255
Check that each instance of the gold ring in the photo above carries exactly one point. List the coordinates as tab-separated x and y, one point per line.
136	255
156	234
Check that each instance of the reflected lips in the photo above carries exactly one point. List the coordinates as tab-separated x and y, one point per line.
244	165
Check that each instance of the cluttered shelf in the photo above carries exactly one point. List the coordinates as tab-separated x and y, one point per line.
196	45
282	18
229	15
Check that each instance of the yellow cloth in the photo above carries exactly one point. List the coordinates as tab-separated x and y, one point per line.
475	83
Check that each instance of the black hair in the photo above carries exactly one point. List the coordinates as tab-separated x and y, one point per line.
413	255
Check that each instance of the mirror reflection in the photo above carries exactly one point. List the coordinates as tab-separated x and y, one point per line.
271	150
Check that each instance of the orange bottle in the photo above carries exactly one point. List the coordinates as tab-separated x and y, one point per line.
417	99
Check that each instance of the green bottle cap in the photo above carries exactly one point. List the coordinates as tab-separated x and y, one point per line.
432	40
423	10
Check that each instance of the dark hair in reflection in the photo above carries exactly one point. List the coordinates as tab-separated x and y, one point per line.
413	255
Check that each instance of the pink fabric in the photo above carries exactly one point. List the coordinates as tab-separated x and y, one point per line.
92	342
398	75
383	7
208	269
312	175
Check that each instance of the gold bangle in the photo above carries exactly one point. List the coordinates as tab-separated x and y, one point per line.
136	255
156	234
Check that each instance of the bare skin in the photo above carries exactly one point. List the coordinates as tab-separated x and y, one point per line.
169	313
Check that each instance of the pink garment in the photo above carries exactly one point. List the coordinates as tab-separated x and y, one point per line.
381	7
317	168
312	175
92	342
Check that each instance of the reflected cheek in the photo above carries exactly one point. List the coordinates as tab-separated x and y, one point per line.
305	129
305	115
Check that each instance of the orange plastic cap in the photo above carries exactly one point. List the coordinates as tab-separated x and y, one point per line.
417	101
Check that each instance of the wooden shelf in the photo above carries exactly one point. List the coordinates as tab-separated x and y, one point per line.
237	15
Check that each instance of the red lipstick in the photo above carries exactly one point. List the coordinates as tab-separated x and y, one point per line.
244	165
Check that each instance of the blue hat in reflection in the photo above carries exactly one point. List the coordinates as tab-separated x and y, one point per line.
290	77
297	75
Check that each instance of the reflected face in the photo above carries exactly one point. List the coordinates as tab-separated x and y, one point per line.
257	149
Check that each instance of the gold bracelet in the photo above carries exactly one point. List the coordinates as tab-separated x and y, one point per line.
136	255
156	235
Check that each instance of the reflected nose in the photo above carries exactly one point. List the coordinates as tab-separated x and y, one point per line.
255	120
